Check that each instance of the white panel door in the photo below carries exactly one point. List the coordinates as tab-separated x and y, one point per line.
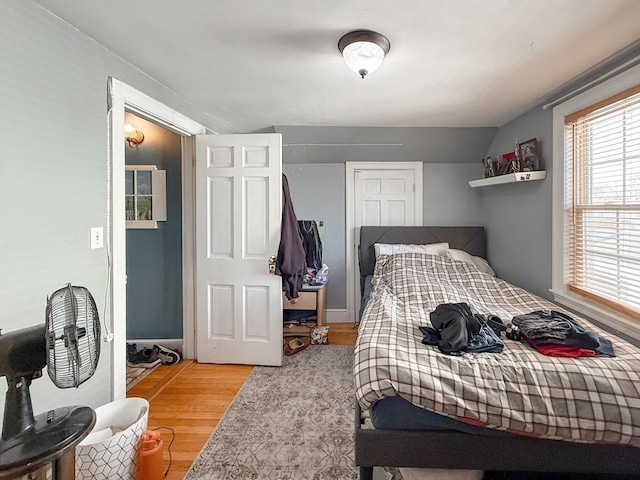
238	215
384	197
378	194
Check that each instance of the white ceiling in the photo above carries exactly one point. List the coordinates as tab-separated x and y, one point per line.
460	63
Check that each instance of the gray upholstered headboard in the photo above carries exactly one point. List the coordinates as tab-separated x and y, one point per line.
469	239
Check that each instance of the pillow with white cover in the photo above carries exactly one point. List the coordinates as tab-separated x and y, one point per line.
393	248
478	262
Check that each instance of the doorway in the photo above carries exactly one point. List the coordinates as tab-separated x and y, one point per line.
123	97
378	193
153	193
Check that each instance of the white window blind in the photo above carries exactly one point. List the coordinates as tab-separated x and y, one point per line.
602	203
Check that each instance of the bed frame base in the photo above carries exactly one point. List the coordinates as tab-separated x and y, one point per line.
457	450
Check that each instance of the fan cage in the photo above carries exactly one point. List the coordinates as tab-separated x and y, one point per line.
72	336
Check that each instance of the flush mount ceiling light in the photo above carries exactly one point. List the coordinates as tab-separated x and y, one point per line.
364	50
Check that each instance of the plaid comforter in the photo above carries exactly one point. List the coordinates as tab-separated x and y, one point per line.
594	399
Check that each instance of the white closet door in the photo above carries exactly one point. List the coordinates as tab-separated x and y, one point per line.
384	197
378	194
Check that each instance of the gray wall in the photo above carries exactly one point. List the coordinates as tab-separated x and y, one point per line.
53	173
448	200
383	144
318	193
53	177
314	161
154	256
517	216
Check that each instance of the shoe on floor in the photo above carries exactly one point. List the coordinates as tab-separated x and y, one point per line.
166	355
146	358
132	352
296	345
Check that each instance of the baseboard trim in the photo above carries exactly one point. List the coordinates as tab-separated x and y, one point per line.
171	343
337	315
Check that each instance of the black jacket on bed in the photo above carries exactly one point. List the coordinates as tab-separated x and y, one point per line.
457	329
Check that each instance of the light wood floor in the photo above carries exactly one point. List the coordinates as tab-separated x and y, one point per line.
191	398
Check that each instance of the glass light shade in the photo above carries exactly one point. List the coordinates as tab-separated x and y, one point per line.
129	129
132	135
363	50
363	57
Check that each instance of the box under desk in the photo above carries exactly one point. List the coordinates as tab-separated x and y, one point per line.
309	298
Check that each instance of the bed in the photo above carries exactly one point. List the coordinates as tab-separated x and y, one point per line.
514	444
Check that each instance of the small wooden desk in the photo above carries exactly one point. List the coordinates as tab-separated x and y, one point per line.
309	298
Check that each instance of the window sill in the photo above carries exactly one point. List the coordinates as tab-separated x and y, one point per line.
617	322
141	224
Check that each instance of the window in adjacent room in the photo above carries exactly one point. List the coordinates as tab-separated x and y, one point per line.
602	203
145	196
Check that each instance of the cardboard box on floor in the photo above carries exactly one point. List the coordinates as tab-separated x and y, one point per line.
297	331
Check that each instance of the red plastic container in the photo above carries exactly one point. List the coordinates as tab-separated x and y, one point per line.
150	456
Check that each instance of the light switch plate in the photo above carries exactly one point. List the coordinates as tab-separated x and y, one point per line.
97	240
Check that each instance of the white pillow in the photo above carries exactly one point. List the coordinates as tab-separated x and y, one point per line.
478	262
393	248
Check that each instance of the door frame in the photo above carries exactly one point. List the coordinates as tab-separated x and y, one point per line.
353	285
120	97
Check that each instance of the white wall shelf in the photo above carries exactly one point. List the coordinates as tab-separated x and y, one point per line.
509	178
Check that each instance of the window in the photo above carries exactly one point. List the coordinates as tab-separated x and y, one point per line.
602	193
145	196
596	203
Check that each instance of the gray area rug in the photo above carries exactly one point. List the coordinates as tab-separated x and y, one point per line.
294	422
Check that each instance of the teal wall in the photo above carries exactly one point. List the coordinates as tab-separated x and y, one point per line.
154	256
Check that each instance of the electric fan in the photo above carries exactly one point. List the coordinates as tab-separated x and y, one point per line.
69	345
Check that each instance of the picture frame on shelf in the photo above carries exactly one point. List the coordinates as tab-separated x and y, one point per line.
503	166
529	155
489	170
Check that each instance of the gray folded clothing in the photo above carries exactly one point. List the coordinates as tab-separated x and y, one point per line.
543	324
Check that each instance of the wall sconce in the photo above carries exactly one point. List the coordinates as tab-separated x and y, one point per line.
364	50
132	136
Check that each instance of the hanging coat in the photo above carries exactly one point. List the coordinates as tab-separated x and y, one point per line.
291	259
311	243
